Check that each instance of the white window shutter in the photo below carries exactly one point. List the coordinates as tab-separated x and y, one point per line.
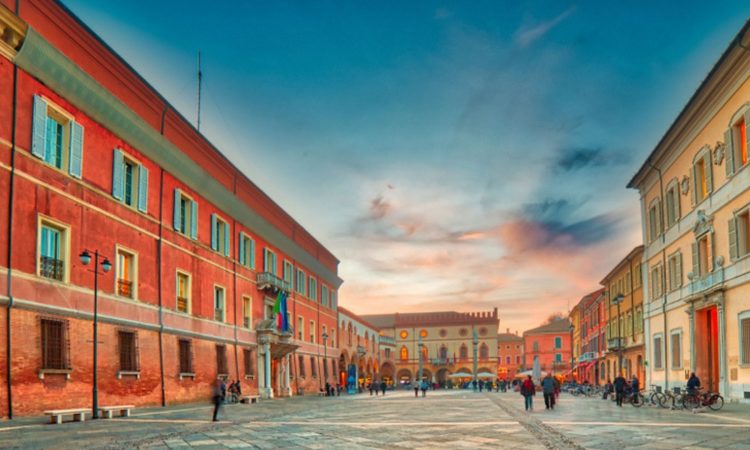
39	128
696	262
733	247
678	269
177	209
729	151
117	175
76	150
142	189
193	220
709	172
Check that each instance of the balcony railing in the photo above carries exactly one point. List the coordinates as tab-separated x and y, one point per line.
267	280
707	281
441	361
51	268
246	322
125	288
182	304
615	344
387	340
219	314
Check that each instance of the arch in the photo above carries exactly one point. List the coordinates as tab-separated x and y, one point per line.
485	369
404	353
463	352
426	375
404	376
387	370
344	358
484	351
442	376
464	370
739	114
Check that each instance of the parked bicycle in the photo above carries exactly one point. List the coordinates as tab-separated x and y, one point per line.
673	399
700	399
655	397
634	398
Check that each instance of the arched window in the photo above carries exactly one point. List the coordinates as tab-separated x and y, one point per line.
349	331
464	352
736	140
484	352
424	353
443	352
404	353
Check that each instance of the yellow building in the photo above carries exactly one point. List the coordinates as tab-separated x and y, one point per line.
695	208
625	317
575	322
444	339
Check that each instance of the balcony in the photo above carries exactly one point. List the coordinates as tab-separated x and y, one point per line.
246	322
387	340
182	304
707	282
125	288
615	344
269	281
51	268
588	356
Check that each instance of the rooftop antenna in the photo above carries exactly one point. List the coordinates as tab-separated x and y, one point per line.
200	81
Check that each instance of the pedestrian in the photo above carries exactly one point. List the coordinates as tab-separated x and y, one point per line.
383	386
369	386
528	391
607	389
635	387
424	387
619	386
217	397
693	384
481	385
548	388
416	388
474	384
338	389
376	387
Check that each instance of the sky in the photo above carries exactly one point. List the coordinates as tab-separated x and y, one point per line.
453	155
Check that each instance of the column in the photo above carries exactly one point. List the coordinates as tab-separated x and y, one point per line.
267	389
287	384
723	379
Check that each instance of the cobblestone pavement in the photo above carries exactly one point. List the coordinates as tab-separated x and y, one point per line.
444	419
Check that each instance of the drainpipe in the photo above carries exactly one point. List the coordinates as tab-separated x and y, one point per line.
663	274
9	281
159	250
234	282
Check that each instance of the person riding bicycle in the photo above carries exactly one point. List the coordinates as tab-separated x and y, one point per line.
693	384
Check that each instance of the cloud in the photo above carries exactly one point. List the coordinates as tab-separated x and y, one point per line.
527	35
575	158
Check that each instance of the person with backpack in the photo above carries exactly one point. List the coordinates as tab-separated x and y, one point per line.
528	390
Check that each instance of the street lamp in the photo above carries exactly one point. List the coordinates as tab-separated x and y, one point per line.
572	357
475	343
617	300
325	357
106	266
420	345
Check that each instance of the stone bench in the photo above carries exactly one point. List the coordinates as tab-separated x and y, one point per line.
123	409
250	399
56	415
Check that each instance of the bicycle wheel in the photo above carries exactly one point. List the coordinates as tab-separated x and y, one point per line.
656	398
690	402
716	402
637	400
665	401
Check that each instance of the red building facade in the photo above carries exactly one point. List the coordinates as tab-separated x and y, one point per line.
93	158
548	344
593	320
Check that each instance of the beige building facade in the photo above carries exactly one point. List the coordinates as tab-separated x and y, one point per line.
695	207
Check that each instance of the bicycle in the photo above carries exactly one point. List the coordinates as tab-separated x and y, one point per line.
699	399
672	399
634	398
655	396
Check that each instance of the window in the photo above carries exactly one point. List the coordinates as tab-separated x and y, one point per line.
638	320
507	360
744	321
313	367
248	359
220	235
658	347
313	293
736	141
443	352
424	353
128	346
300	328
288	273
221	359
558	342
656	284
55	344
676	344
129	181
325	342
518	359
269	261
56	138
702	256
404	353
185	215
484	352
246	251
301	363
535	346
300	286
219	304
702	176
186	356
324	295
388	353
463	352
52	250
674	269
247	312
673	203
312	331
183	292
654	220
739	234
126	273
558	357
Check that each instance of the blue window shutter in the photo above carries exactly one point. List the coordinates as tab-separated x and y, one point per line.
142	189
214	233
177	209
241	249
76	149
227	232
39	128
117	174
193	220
252	254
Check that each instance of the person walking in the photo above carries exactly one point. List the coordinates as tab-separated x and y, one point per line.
619	386
635	387
548	388
369	387
216	396
383	386
528	391
424	387
416	388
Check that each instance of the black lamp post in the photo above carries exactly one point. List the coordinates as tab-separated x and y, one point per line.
106	266
617	300
325	357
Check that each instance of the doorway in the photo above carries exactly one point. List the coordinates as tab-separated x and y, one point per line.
707	347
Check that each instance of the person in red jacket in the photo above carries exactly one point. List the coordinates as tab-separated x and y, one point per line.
528	390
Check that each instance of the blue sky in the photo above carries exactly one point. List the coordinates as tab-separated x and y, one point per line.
453	155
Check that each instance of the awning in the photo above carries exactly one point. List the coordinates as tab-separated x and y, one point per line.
460	375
